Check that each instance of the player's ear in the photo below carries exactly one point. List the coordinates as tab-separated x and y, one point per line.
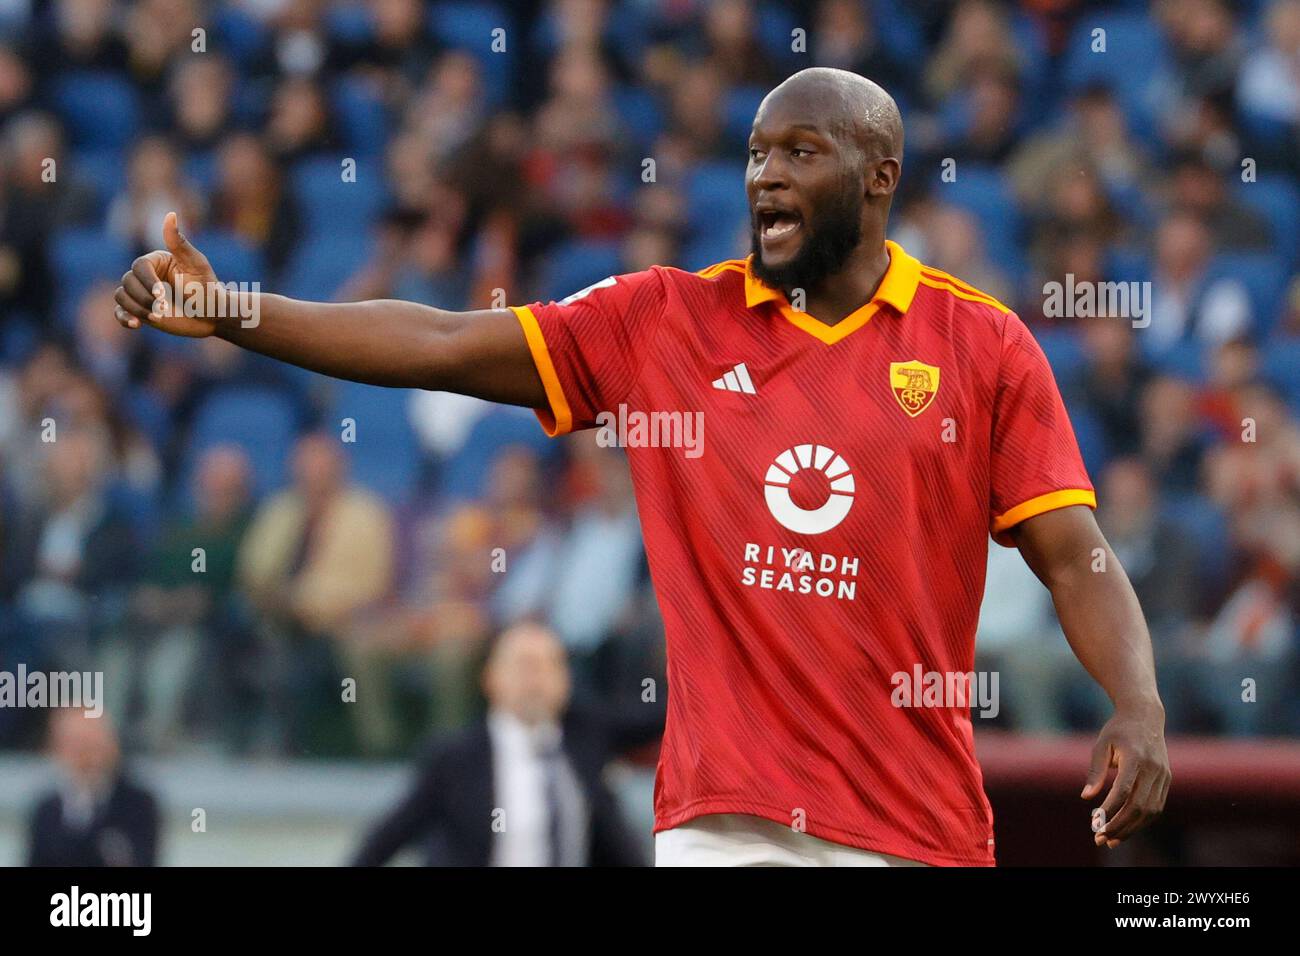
883	177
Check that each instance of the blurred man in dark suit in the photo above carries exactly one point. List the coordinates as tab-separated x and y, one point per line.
95	815
523	786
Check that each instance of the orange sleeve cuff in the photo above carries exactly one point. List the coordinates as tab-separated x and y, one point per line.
558	418
1037	506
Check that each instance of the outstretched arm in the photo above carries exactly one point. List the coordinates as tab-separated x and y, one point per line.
1103	623
418	814
380	342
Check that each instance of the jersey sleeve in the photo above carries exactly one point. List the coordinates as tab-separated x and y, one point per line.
588	348
1036	465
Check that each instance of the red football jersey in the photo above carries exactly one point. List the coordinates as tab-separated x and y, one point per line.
826	536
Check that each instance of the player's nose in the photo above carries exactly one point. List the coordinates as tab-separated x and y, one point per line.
768	175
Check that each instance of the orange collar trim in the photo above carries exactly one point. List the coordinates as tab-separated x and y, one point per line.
897	289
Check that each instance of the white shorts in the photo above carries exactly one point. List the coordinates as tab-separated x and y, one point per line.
734	839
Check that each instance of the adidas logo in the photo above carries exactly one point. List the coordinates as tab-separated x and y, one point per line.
737	380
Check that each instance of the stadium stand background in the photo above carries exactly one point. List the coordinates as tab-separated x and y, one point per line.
518	174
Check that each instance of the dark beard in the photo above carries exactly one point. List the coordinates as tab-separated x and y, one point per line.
831	239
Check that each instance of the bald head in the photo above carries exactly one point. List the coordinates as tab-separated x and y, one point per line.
852	108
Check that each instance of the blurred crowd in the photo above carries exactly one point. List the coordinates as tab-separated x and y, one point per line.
230	539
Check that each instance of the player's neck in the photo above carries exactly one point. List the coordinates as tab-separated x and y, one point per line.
842	293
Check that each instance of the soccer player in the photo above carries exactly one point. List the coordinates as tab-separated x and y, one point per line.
870	421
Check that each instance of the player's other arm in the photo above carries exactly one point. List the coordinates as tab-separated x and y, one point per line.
381	342
1103	622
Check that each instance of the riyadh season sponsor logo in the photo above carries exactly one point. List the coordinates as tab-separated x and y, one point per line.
823	483
802	462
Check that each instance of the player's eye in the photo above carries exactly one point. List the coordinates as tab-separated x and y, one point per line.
755	154
800	151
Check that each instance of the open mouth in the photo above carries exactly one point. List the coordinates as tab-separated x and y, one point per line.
774	224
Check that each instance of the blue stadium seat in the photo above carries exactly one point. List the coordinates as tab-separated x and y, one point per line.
141	508
100	110
101	169
1135	53
984	192
331	205
1091	436
899	30
146	411
465	474
386	455
233	259
1264	131
1280	364
576	265
1277	199
80	256
201	169
715	197
1064	352
738	108
349	22
1205	525
361	117
629	30
261	420
20	333
321	264
468	26
240	35
714	247
1185	359
1125	264
248	106
773	26
639	113
1038	93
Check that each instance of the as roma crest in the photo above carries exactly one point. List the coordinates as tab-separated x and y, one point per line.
914	384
